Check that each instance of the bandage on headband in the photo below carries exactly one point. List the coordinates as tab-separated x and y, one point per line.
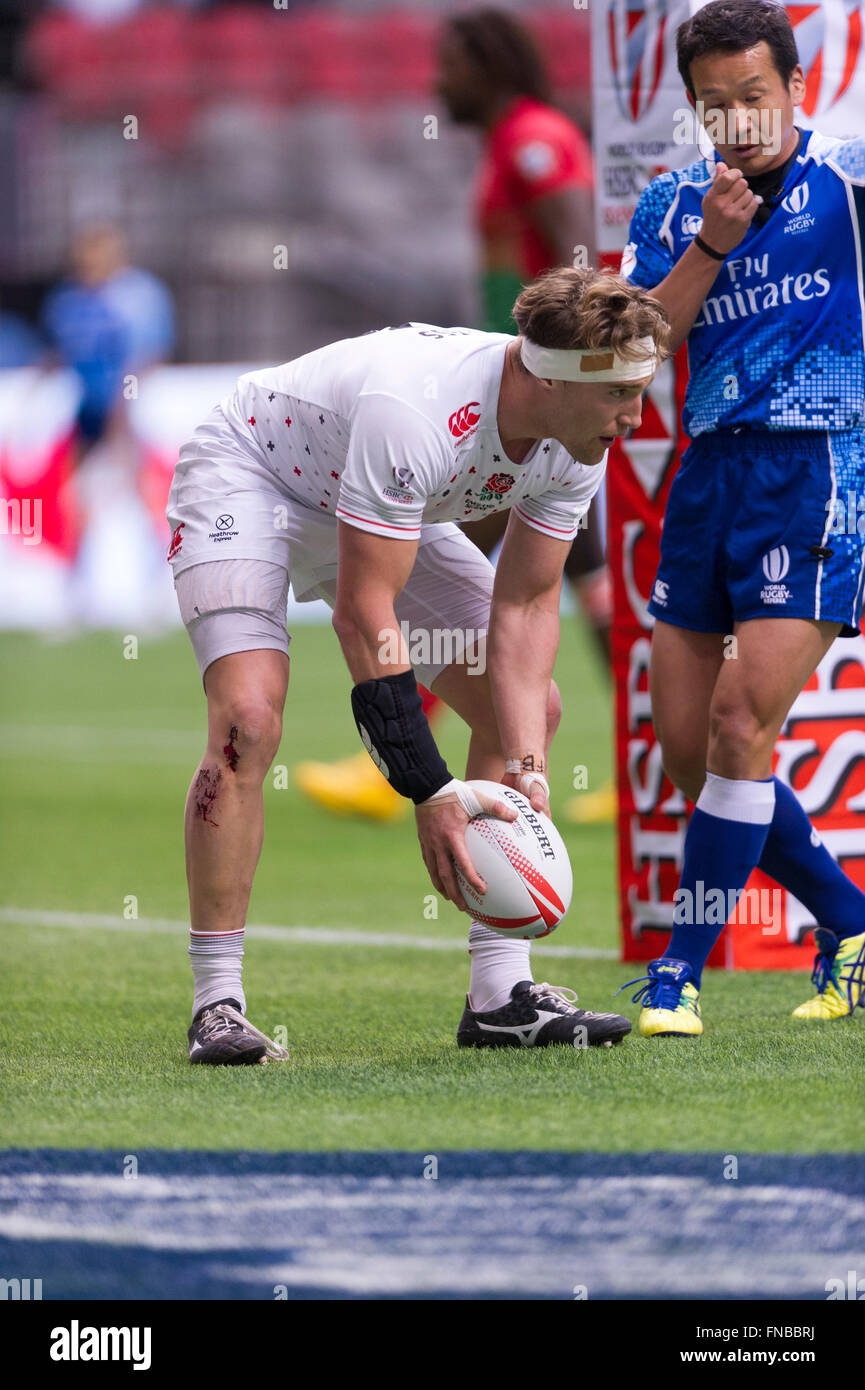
587	364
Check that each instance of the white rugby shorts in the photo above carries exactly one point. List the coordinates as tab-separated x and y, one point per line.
238	540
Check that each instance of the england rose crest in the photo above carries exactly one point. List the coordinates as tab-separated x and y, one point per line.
497	486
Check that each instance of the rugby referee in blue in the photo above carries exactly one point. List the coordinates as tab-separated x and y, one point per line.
756	254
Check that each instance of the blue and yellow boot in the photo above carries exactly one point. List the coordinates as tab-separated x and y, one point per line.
838	974
670	1000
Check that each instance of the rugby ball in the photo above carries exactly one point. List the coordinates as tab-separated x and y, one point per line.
524	864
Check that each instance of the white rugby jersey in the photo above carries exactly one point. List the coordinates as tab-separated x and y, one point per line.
398	427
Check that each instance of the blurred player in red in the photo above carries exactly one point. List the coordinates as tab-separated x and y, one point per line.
533	211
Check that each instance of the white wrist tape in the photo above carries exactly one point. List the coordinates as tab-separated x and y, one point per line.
461	792
513	766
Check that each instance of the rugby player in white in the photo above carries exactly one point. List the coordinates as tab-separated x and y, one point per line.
346	471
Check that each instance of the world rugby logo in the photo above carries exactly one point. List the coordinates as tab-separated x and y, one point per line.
796	200
776	564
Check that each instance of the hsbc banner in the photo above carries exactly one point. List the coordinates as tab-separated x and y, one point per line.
644	126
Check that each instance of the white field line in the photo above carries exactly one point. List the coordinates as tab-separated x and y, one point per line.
88	743
312	936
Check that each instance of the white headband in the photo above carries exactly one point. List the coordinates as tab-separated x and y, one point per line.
587	364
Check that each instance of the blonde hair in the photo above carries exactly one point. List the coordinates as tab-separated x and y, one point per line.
574	308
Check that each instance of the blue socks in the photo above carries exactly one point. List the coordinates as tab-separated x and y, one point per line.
723	843
796	857
736	827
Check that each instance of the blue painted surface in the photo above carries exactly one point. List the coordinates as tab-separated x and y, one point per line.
370	1225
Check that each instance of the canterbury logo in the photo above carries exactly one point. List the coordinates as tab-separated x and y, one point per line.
776	563
797	199
464	420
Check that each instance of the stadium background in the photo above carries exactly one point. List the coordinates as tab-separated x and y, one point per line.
303	129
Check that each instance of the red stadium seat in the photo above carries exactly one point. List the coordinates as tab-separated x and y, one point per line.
168	62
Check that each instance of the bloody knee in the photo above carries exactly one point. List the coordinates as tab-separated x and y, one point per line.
245	737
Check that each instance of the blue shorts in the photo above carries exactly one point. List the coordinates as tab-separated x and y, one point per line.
762	524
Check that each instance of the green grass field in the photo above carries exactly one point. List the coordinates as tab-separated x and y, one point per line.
96	756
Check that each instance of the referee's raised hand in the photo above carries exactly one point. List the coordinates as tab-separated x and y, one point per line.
728	208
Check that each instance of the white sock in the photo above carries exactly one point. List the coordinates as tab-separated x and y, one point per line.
217	961
498	963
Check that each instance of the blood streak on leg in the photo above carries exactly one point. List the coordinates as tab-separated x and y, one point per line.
232	757
206	790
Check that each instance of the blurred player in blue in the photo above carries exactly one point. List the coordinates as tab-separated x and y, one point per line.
108	319
756	254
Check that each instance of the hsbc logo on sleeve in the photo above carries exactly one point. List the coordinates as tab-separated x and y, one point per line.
403	478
